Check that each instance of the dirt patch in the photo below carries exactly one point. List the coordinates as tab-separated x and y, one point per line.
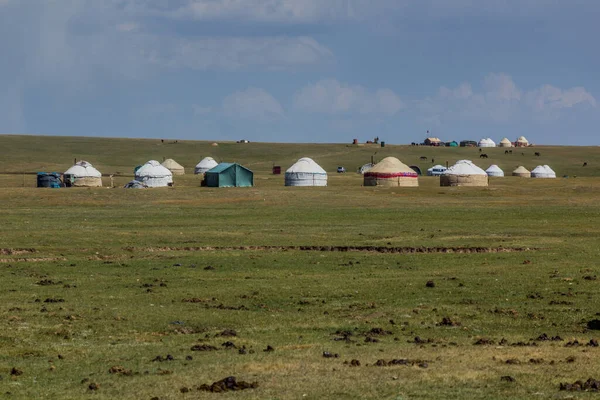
16	252
120	370
34	259
227	333
368	249
203	347
227	384
447	321
591	385
401	361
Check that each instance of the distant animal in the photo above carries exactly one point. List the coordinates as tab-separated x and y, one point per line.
432	161
505	151
483	155
510	151
522	154
585	164
423	158
162	140
480	150
537	154
412	143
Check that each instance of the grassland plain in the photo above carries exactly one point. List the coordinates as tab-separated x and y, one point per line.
114	278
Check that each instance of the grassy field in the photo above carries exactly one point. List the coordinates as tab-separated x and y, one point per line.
101	280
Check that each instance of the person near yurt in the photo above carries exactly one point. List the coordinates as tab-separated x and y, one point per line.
436	170
487	142
543	171
173	166
391	172
206	164
305	172
522	142
522	172
153	174
505	143
494	170
464	173
82	174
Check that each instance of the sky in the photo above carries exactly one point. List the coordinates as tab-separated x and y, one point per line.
302	70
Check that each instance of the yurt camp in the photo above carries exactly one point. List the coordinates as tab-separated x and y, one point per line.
173	166
522	142
436	170
229	175
505	143
494	170
391	172
487	142
305	172
153	174
82	174
206	164
522	172
464	173
543	171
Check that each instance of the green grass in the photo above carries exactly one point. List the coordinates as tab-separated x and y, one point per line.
108	251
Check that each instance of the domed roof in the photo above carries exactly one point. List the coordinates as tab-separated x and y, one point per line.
522	139
505	141
153	169
83	169
464	167
306	165
494	168
521	170
207	163
487	142
391	165
172	165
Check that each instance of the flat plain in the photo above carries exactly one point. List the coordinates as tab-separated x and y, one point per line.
422	293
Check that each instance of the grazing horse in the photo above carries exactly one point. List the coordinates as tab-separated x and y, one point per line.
585	164
423	158
505	151
537	154
483	155
432	161
510	151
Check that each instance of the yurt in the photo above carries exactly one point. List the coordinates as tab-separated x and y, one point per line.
543	171
204	165
505	143
522	142
464	173
152	174
173	166
391	172
305	172
487	142
494	170
82	174
522	172
436	170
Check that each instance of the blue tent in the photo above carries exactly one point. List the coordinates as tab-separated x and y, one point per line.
229	175
49	180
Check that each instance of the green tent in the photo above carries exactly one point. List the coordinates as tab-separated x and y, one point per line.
229	175
452	144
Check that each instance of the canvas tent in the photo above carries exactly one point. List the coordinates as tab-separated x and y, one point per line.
436	170
522	172
505	143
152	174
391	172
49	180
522	142
494	170
173	166
204	165
543	171
486	143
464	173
82	174
305	172
229	175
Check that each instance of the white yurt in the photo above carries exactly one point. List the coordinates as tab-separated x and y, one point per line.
391	172
173	166
83	174
152	174
204	165
522	172
487	142
436	170
464	173
365	168
305	172
505	143
543	171
494	170
522	142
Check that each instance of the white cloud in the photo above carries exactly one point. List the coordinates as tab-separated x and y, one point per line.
549	97
332	97
501	87
252	103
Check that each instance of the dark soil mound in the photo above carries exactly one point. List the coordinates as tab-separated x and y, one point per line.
227	384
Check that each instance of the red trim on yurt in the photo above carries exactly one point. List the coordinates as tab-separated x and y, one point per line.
387	175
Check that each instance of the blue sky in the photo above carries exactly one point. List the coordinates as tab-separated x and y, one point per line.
302	70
